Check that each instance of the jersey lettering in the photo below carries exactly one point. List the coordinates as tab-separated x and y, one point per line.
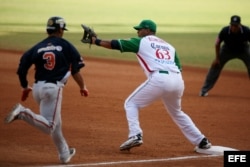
50	60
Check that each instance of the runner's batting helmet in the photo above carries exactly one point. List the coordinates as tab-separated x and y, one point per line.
55	23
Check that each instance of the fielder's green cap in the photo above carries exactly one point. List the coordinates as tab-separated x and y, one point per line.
148	24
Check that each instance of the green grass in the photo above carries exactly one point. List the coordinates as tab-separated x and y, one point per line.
118	15
191	26
194	49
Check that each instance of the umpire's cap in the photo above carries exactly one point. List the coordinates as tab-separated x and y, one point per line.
235	20
148	24
55	23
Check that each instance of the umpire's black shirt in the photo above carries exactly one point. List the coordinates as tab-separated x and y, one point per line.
235	42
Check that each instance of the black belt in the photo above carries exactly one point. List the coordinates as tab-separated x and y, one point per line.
54	82
164	72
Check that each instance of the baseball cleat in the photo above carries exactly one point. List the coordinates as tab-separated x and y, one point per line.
134	141
13	115
204	144
72	152
203	94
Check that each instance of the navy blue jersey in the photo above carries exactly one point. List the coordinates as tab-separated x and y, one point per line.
235	41
53	58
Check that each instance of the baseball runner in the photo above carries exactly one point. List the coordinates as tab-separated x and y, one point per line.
235	39
55	59
161	65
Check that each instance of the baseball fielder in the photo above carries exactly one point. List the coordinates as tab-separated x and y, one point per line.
54	59
161	65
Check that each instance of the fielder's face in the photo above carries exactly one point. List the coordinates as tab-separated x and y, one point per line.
143	32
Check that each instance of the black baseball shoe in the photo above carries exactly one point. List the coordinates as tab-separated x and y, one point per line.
203	94
204	144
134	141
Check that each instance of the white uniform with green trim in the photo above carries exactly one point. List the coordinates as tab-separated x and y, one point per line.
161	65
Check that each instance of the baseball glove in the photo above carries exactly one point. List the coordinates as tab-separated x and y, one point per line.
88	33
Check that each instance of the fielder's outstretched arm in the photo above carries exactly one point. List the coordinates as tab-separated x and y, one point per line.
109	44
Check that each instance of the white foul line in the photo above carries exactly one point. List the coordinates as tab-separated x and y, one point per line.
136	161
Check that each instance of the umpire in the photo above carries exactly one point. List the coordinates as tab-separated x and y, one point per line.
235	38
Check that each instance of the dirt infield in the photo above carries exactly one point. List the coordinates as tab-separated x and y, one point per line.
96	125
